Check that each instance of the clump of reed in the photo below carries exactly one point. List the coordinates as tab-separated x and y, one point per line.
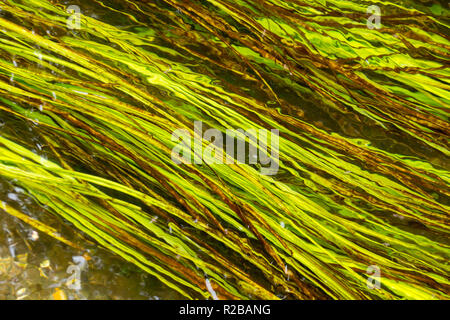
363	122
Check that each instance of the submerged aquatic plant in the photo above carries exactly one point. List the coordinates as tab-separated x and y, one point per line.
88	116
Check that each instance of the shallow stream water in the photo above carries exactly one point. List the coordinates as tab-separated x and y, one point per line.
36	266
